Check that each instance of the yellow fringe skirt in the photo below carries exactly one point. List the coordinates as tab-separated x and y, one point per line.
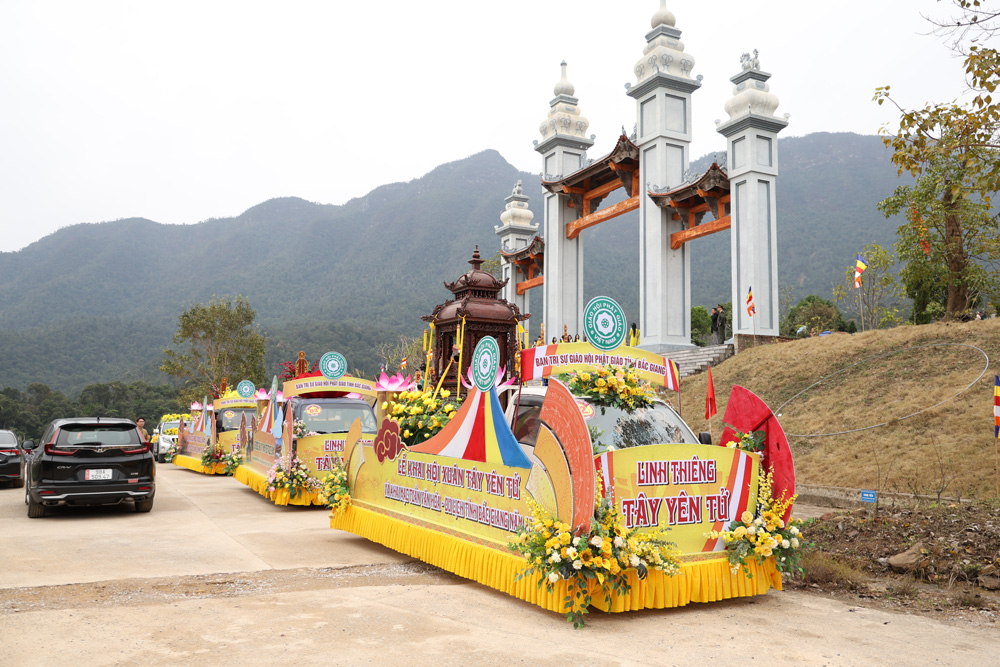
191	463
258	483
698	581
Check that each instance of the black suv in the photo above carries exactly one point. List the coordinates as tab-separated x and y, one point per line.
88	461
10	459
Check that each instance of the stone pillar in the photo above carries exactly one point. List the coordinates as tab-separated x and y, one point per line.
663	134
564	141
752	162
517	231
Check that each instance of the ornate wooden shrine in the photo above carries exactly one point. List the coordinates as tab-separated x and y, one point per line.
476	303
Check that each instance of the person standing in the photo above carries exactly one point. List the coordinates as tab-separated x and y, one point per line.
141	425
715	325
721	324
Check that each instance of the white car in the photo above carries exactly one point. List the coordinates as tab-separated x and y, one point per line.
164	441
610	428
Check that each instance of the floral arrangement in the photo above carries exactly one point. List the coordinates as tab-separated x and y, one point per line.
174	417
765	534
288	370
232	460
299	430
171	453
612	386
604	554
211	455
419	414
296	479
748	442
335	492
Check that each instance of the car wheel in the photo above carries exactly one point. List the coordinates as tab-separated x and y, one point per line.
144	505
35	510
18	483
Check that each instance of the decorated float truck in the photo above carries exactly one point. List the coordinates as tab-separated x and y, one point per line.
213	431
539	516
315	418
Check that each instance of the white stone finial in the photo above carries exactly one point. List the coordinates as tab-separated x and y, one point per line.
564	87
751	94
663	16
564	117
664	50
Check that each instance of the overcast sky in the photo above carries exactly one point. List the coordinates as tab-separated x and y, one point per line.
182	111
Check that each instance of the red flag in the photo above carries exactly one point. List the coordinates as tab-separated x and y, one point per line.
710	399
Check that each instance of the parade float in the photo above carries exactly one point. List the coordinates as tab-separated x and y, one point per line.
195	444
540	516
299	431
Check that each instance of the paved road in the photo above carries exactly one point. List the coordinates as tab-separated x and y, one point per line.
216	575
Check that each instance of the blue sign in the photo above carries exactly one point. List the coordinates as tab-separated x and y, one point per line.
868	496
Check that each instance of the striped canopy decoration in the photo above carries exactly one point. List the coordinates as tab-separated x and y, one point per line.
482	434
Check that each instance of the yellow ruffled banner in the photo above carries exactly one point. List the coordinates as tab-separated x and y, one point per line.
258	483
191	463
699	581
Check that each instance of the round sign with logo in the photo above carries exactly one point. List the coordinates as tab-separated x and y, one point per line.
485	363
333	365
604	323
312	410
245	389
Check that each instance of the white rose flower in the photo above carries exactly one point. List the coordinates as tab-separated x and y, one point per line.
633	560
785	544
576	541
619	542
577	564
793	530
553	577
556	558
795	542
597	541
752	530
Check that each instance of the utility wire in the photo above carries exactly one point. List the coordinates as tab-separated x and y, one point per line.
892	421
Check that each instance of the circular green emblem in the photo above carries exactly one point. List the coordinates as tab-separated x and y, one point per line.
485	363
333	365
245	389
604	323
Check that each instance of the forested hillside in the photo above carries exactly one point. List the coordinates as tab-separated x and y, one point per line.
98	302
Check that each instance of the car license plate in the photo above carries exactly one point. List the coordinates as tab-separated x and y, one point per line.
99	473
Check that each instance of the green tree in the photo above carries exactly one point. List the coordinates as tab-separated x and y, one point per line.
877	300
954	146
701	326
223	342
949	247
815	314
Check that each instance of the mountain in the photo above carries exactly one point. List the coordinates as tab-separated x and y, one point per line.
98	302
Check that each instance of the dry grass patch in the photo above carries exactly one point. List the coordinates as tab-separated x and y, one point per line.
944	451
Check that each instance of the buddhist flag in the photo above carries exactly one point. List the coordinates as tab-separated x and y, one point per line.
710	408
402	364
996	406
750	307
859	268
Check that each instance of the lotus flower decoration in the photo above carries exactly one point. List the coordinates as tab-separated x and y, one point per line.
498	382
395	383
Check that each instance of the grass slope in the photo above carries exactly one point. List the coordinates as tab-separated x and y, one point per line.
945	450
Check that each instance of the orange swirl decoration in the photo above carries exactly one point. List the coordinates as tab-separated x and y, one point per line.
387	442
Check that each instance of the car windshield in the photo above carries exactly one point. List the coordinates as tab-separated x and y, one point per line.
7	438
612	427
337	417
93	435
229	418
165	426
655	425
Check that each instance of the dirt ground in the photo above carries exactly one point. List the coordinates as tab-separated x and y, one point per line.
217	575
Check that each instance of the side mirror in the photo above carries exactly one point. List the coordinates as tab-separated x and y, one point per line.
705	437
28	445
